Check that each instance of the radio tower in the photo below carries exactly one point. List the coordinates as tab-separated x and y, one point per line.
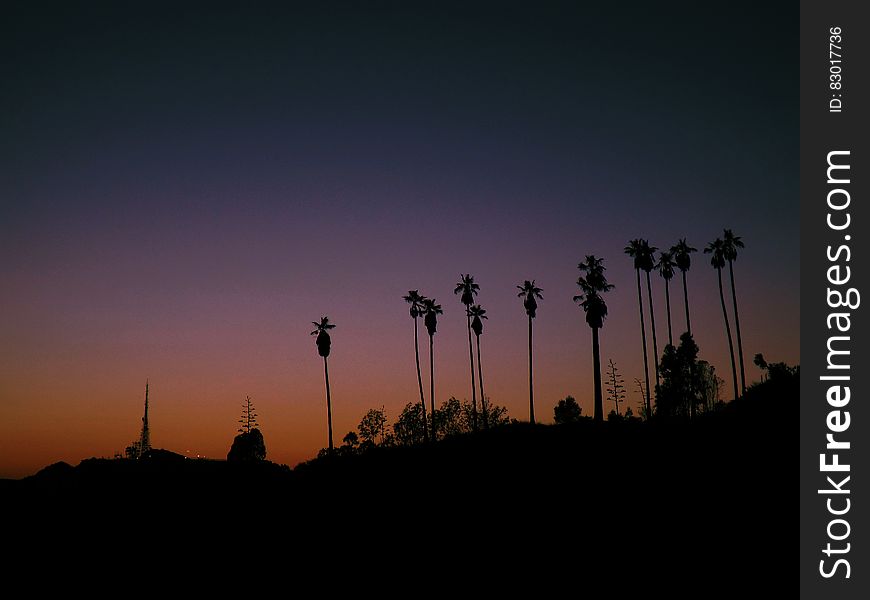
145	438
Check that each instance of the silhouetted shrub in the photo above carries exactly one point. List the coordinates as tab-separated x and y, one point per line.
248	447
567	411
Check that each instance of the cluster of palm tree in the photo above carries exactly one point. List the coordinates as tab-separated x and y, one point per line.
721	250
593	285
679	256
429	309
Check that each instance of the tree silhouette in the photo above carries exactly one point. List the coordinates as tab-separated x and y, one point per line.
635	250
416	301
592	284
478	313
431	311
350	443
648	264
731	243
410	427
372	425
468	290
451	418
248	445
682	256
249	417
665	267
716	249
616	391
567	411
761	364
323	341
682	379
530	294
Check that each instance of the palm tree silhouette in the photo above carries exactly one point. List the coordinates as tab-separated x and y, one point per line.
431	311
416	301
682	255
636	251
592	284
731	243
530	292
324	342
468	289
665	267
717	249
647	264
478	313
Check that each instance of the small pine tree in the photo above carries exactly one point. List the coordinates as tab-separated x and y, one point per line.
249	417
616	391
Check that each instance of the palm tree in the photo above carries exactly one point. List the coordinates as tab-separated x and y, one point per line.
647	264
468	289
665	267
717	249
530	292
592	284
478	313
682	255
635	251
731	243
323	345
416	301
431	311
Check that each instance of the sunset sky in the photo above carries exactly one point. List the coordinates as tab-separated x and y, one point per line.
184	190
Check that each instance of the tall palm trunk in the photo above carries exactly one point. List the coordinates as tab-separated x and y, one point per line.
686	301
480	380
328	402
668	303
728	331
432	386
643	341
596	366
420	381
737	327
531	385
652	319
473	385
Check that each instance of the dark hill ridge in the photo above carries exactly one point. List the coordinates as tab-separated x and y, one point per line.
697	496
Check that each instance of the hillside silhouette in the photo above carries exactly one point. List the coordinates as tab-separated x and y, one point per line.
629	487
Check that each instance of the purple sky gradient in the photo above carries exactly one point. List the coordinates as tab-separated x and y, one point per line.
183	199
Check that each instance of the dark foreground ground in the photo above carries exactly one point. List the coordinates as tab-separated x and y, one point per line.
675	506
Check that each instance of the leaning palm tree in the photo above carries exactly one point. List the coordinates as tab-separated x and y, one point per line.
530	294
648	262
682	256
731	244
431	311
468	290
416	301
635	250
323	345
717	249
478	313
665	267
592	284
